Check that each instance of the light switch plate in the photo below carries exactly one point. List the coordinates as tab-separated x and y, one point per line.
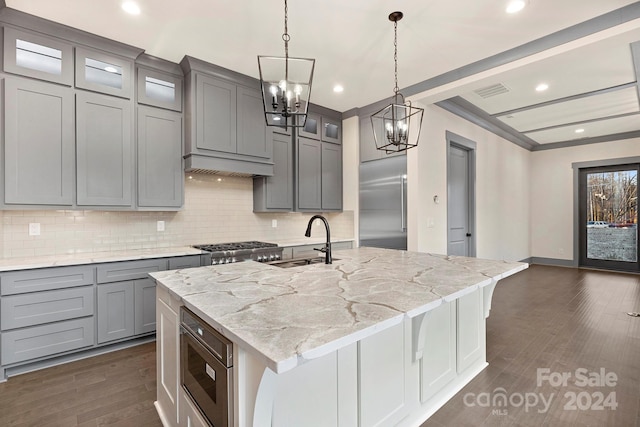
160	226
274	223
34	229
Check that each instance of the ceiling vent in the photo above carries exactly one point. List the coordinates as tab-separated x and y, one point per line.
493	90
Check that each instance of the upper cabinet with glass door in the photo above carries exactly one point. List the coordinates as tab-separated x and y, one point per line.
159	89
101	72
331	130
322	126
37	56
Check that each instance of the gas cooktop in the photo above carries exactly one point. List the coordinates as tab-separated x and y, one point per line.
225	253
235	246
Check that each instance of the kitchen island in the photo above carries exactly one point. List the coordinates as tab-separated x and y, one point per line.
379	337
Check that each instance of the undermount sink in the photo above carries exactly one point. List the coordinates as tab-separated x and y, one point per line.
288	263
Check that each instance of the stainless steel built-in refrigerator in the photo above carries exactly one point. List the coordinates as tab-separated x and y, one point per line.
383	203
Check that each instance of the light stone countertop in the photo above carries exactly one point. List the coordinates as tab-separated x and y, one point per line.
287	316
10	264
27	263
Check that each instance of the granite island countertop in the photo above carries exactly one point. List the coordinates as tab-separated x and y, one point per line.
288	316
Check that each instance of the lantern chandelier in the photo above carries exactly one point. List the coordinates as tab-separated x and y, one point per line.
286	85
396	127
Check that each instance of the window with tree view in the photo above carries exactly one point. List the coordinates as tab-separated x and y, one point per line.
612	215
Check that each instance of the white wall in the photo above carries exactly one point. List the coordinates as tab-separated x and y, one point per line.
502	189
350	169
552	193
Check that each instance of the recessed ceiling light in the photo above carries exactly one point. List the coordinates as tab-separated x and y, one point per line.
338	89
111	69
131	7
579	130
515	6
542	87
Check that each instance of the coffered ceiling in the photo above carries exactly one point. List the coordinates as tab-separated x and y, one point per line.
591	75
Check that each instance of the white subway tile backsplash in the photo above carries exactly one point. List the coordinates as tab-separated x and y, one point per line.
217	209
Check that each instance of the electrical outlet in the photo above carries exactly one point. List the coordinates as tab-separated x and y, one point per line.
34	229
430	223
160	226
274	223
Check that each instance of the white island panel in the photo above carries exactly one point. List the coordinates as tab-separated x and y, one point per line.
380	337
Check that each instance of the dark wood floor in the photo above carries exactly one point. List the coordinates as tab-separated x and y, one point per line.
546	317
115	389
562	319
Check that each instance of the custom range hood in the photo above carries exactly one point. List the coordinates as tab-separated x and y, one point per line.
225	131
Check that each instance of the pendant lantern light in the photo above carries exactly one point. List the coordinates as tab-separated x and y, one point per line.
286	85
396	127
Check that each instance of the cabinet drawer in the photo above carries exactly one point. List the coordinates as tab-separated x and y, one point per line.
129	270
46	340
18	311
45	279
184	262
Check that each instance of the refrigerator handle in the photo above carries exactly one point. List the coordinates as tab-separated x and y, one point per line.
403	220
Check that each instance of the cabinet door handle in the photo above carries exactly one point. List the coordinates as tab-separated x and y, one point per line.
468	234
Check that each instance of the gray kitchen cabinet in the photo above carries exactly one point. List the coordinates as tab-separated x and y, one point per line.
319	175
331	177
275	193
126	297
56	311
116	309
322	126
230	118
160	175
216	114
38	143
100	72
309	174
129	270
225	128
45	279
254	137
37	56
25	344
46	311
157	88
189	261
331	130
18	311
312	126
104	127
368	148
145	306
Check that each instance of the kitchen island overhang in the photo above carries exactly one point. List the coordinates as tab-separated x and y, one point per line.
284	319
